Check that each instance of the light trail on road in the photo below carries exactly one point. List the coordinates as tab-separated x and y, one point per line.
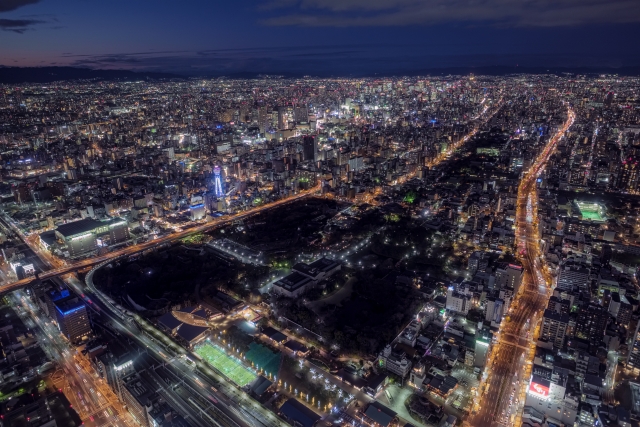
532	298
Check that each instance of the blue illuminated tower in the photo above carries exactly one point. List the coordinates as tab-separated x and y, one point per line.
217	182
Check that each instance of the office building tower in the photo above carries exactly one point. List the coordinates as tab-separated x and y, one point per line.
481	350
620	308
71	316
301	114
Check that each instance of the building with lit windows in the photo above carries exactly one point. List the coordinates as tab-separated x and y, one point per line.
573	277
591	324
554	327
494	310
113	365
628	175
547	394
138	398
394	361
84	237
70	314
457	301
633	362
509	275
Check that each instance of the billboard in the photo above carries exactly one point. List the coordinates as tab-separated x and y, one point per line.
539	390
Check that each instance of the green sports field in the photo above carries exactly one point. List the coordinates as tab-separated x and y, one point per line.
591	211
229	366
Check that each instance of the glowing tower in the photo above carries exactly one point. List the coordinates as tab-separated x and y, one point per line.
217	182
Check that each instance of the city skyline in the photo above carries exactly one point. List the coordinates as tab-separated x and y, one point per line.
317	213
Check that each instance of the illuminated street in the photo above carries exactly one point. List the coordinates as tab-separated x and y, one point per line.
512	351
94	400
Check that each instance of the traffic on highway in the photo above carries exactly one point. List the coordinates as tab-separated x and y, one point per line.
514	345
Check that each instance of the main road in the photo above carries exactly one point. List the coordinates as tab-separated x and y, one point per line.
514	342
93	400
140	247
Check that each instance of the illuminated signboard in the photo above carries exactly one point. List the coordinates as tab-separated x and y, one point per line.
538	389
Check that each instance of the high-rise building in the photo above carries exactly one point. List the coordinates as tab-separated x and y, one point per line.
620	308
457	301
628	175
478	261
591	324
197	211
509	275
573	277
494	311
138	399
71	316
301	114
356	163
481	350
554	327
114	365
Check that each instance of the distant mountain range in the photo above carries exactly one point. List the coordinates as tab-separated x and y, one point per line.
497	70
505	70
15	75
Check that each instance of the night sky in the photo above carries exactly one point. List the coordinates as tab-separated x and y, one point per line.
318	37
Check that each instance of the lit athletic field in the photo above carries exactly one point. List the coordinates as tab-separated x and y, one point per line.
591	211
229	366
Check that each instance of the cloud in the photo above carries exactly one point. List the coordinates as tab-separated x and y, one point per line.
18	25
9	5
299	59
513	13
